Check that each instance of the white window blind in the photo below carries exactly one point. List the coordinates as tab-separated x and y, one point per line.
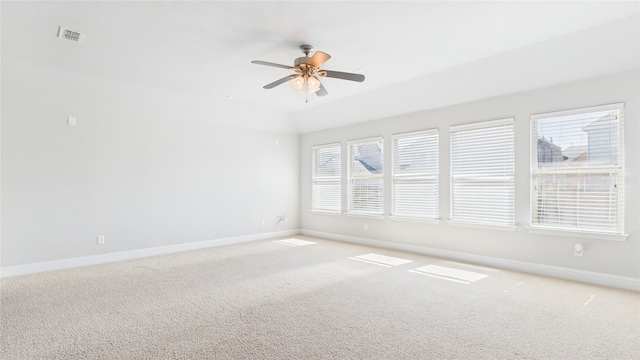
326	178
415	175
482	173
578	170
366	177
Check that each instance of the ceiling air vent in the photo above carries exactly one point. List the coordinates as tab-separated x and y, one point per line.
64	33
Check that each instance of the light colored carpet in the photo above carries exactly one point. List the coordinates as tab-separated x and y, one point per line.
327	300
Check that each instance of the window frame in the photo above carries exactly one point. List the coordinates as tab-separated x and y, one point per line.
457	221
351	177
315	179
424	176
619	170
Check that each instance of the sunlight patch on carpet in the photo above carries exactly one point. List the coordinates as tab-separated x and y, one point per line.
513	287
446	273
294	242
588	301
382	260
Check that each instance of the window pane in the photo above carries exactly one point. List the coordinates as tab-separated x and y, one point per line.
326	196
328	161
366	196
480	201
367	158
416	198
416	154
589	139
577	201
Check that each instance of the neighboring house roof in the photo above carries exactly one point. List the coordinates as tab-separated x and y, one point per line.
370	157
574	152
607	120
547	143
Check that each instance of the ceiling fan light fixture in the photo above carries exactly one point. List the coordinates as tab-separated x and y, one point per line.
298	83
313	84
303	84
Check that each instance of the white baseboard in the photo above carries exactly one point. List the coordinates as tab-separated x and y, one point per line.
623	282
25	269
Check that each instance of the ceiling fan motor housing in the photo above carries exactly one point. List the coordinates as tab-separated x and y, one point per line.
301	60
306	49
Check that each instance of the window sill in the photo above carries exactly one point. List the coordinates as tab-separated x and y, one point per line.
578	234
483	226
414	220
366	216
327	212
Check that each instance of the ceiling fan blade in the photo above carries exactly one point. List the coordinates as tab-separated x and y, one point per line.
342	75
322	91
318	59
278	82
271	64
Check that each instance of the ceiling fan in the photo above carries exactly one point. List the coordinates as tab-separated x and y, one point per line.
307	70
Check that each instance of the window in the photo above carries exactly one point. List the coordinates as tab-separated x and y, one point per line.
326	178
482	173
577	172
366	172
415	175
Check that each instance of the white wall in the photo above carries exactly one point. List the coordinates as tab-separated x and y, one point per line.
146	169
142	168
601	256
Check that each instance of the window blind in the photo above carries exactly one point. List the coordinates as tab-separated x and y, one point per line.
482	172
326	178
366	177
415	160
578	169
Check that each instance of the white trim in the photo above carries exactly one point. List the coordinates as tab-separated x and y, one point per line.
366	216
483	226
327	212
432	131
482	124
32	268
375	138
597	108
414	219
623	282
578	234
324	146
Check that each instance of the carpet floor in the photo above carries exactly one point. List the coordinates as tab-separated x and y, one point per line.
309	298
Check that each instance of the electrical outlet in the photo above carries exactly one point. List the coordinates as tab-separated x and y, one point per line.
366	226
578	250
100	239
262	222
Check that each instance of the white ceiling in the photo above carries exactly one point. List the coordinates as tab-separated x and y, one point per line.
414	55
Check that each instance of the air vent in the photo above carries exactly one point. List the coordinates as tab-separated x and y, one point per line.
64	33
